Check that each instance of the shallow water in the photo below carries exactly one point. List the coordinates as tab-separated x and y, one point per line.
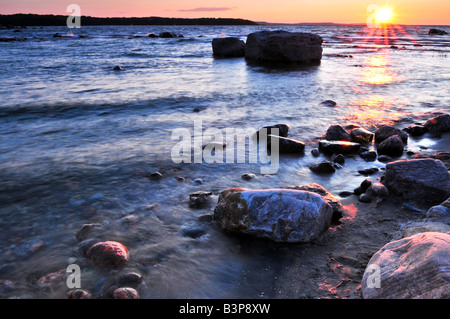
78	141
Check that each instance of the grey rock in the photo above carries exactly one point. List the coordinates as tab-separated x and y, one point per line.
424	180
229	47
281	215
387	131
361	135
378	189
438	211
320	190
438	124
283	46
392	146
414	228
338	147
337	133
413	267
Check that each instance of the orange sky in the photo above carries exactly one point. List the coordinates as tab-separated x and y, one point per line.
428	12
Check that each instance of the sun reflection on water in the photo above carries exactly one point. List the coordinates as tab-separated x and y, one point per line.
376	71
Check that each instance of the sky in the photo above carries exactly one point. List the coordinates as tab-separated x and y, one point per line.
421	12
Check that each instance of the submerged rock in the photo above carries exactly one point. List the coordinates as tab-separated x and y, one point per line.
199	198
438	124
109	254
412	267
324	167
277	129
337	133
424	180
392	146
437	31
248	176
338	147
416	130
281	215
228	47
169	35
329	103
283	46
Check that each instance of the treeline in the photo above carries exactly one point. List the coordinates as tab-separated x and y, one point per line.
60	20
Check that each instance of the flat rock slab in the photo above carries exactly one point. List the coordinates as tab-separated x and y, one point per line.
422	180
281	215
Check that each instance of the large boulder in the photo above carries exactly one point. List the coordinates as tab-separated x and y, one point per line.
228	47
281	215
424	180
414	267
283	46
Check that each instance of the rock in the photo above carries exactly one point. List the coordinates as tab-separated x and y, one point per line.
283	46
199	198
344	194
109	254
392	146
438	124
329	103
385	158
248	176
437	31
125	293
387	131
322	167
338	147
168	35
378	189
413	267
283	130
117	68
416	130
368	171
337	133
57	35
198	181
446	203
438	211
207	218
287	145
281	215
228	47
339	158
320	190
193	230
359	190
365	198
365	184
315	152
85	230
155	176
369	156
130	279
424	180
415	228
78	294
53	281
152	35
361	135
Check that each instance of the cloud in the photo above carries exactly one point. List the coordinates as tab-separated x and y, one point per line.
207	9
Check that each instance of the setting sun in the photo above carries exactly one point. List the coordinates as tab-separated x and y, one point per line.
384	15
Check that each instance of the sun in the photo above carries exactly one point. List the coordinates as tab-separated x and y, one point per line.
384	15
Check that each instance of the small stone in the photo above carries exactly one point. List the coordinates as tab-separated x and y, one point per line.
109	254
368	171
438	211
392	146
365	184
117	68
329	103
155	176
323	167
130	279
385	158
198	181
83	233
287	145
193	230
315	152
340	159
359	190
125	293
344	194
180	178
365	198
78	294
369	156
379	189
361	135
248	176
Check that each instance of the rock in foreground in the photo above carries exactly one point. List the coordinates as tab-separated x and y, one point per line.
413	267
108	254
281	215
283	46
424	180
228	47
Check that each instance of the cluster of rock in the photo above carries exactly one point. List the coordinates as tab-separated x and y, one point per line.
272	47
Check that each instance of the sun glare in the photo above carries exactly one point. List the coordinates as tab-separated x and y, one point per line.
384	15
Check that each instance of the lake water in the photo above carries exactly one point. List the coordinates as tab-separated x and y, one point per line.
78	141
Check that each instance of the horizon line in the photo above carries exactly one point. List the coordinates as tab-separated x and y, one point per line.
258	22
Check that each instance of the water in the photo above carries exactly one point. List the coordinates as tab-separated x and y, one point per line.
78	141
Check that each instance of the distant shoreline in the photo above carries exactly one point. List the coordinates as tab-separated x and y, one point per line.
60	20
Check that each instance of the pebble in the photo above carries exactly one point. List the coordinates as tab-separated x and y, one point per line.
359	190
125	293
315	152
365	184
323	167
368	171
365	198
198	181
339	158
248	176
129	279
369	156
78	294
108	254
155	175
345	194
